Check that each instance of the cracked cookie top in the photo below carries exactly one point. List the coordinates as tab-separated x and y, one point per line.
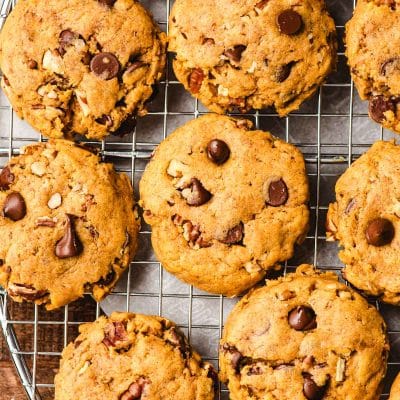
67	224
225	203
373	42
80	67
304	337
366	220
238	55
132	357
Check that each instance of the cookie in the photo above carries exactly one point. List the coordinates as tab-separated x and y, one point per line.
304	336
229	205
238	55
132	356
366	220
67	224
395	390
373	40
76	67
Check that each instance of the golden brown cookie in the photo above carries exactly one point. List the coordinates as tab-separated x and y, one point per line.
373	42
366	220
226	204
304	337
252	54
67	224
395	390
132	357
80	67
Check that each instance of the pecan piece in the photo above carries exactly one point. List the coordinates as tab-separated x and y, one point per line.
28	292
196	78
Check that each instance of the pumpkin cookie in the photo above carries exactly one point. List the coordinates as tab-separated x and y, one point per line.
68	224
229	205
80	67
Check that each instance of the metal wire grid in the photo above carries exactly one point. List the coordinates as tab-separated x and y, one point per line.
331	130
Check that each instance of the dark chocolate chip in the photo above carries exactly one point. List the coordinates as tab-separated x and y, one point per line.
199	194
390	65
311	390
69	245
134	66
283	72
6	178
289	22
278	193
302	318
234	235
378	105
67	37
105	66
108	3
236	358
127	127
235	53
32	64
195	80
14	207
218	151
379	232
28	292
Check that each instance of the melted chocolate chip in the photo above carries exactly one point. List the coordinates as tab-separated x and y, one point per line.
199	194
278	193
379	232
69	245
302	318
6	178
311	390
14	207
289	22
32	64
134	66
378	106
283	72
235	54
28	292
390	65
66	38
234	235
218	151
105	66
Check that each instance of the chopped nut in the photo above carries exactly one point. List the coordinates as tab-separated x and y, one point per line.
340	368
42	91
46	221
82	100
252	68
223	91
38	168
52	95
176	168
84	367
54	201
53	62
252	267
344	294
286	295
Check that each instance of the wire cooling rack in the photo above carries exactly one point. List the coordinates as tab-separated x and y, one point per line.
331	130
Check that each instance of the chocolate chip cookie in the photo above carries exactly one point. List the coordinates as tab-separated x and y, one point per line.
80	67
67	224
304	336
238	55
373	42
395	390
132	356
225	203
366	220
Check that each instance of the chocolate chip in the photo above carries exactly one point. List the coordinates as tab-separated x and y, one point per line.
278	193
390	65
218	151
235	53
208	41
105	120
28	292
14	207
378	105
289	22
196	78
127	127
311	390
108	3
67	37
302	318
198	194
69	245
32	64
134	66
261	4
6	178
379	232
105	66
283	72
234	235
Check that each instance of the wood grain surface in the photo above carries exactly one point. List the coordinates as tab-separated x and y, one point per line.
50	338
